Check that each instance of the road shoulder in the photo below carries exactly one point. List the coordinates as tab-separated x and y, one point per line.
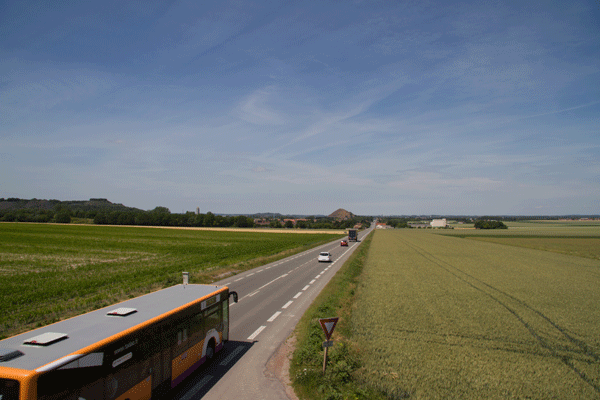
279	365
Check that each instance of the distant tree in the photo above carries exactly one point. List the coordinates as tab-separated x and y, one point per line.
209	219
9	217
218	221
113	217
126	218
199	220
288	224
484	224
63	217
302	224
101	219
242	221
22	216
143	218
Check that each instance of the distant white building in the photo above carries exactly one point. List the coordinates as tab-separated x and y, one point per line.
438	223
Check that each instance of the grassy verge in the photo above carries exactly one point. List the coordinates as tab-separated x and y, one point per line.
306	367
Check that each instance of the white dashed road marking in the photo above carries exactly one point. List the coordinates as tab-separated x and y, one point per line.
289	303
256	332
274	316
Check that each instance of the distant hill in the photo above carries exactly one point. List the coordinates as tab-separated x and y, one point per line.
341	215
14	204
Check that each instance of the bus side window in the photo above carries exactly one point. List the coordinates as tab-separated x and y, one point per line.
196	327
213	318
182	336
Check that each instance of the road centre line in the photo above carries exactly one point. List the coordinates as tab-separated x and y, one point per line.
266	284
282	276
279	263
274	316
256	332
289	303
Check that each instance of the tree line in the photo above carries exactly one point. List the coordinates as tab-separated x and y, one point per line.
103	212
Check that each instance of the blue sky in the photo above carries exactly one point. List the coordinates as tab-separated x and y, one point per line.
377	107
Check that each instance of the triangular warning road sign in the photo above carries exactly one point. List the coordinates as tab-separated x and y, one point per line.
328	325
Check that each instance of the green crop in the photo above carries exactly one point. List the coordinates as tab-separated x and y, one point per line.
438	316
50	272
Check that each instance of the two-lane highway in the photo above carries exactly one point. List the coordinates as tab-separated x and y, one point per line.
272	298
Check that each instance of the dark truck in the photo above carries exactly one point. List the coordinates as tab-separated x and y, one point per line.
352	235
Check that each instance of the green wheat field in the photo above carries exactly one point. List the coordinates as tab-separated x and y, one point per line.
466	314
51	272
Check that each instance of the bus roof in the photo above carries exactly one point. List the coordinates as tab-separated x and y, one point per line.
87	329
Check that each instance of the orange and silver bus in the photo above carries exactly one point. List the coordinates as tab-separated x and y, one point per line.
137	349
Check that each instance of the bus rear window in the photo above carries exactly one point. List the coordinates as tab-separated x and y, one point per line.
9	389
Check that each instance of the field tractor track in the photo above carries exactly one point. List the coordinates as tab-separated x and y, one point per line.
572	352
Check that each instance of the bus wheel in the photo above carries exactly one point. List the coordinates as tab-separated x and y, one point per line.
210	350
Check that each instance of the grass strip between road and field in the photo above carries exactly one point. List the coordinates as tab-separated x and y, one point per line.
306	367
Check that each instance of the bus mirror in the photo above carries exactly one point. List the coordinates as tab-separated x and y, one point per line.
235	296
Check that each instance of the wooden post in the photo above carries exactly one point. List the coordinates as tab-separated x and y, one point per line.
325	359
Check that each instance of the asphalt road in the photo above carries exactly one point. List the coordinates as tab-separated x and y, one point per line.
272	298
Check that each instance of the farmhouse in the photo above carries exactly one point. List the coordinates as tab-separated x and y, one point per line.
438	223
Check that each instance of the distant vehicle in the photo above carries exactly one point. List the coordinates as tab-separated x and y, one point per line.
138	349
344	243
352	235
324	256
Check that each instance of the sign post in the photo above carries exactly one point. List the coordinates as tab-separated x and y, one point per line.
328	325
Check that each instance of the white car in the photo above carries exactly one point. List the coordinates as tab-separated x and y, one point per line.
324	256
